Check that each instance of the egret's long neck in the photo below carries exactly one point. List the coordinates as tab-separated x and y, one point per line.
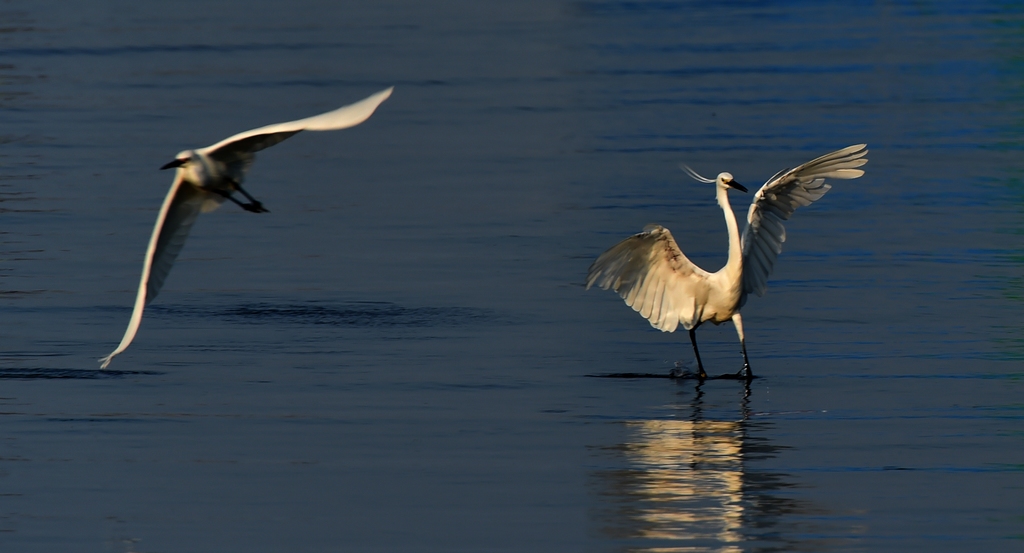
735	263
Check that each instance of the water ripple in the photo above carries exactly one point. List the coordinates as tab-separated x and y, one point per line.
66	374
355	314
166	48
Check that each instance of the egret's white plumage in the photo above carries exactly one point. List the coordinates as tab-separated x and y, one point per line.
651	274
207	177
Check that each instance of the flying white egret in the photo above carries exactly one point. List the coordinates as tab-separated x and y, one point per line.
651	274
208	176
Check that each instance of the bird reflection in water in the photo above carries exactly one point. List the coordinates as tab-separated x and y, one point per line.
686	485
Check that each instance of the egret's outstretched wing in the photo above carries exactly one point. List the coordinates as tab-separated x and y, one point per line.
177	214
242	146
778	199
650	272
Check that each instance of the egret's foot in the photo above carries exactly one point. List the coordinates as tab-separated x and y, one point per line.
748	375
255	207
682	373
675	374
743	374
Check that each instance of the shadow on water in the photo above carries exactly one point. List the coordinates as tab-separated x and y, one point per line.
680	375
67	374
353	314
691	483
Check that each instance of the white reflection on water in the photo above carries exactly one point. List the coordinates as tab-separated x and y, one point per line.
693	483
688	480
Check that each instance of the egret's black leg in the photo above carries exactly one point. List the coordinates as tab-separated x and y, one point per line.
227	196
700	366
255	205
746	372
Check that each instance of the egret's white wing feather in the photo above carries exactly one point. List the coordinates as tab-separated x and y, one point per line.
242	145
778	199
175	219
184	210
650	272
185	201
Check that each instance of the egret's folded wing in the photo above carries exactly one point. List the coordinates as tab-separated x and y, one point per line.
778	199
650	272
243	145
177	214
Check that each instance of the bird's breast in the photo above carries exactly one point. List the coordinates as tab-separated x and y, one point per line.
208	174
723	299
208	195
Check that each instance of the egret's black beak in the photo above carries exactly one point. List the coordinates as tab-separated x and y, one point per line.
737	186
178	163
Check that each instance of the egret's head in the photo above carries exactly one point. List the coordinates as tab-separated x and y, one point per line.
181	159
725	180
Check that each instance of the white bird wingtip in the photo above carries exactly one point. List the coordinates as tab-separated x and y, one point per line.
378	97
341	118
345	116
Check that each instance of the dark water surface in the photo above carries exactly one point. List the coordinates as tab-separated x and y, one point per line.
397	357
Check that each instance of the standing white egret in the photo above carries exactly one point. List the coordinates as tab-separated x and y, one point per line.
208	176
651	274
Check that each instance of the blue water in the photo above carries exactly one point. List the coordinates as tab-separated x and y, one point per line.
401	355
